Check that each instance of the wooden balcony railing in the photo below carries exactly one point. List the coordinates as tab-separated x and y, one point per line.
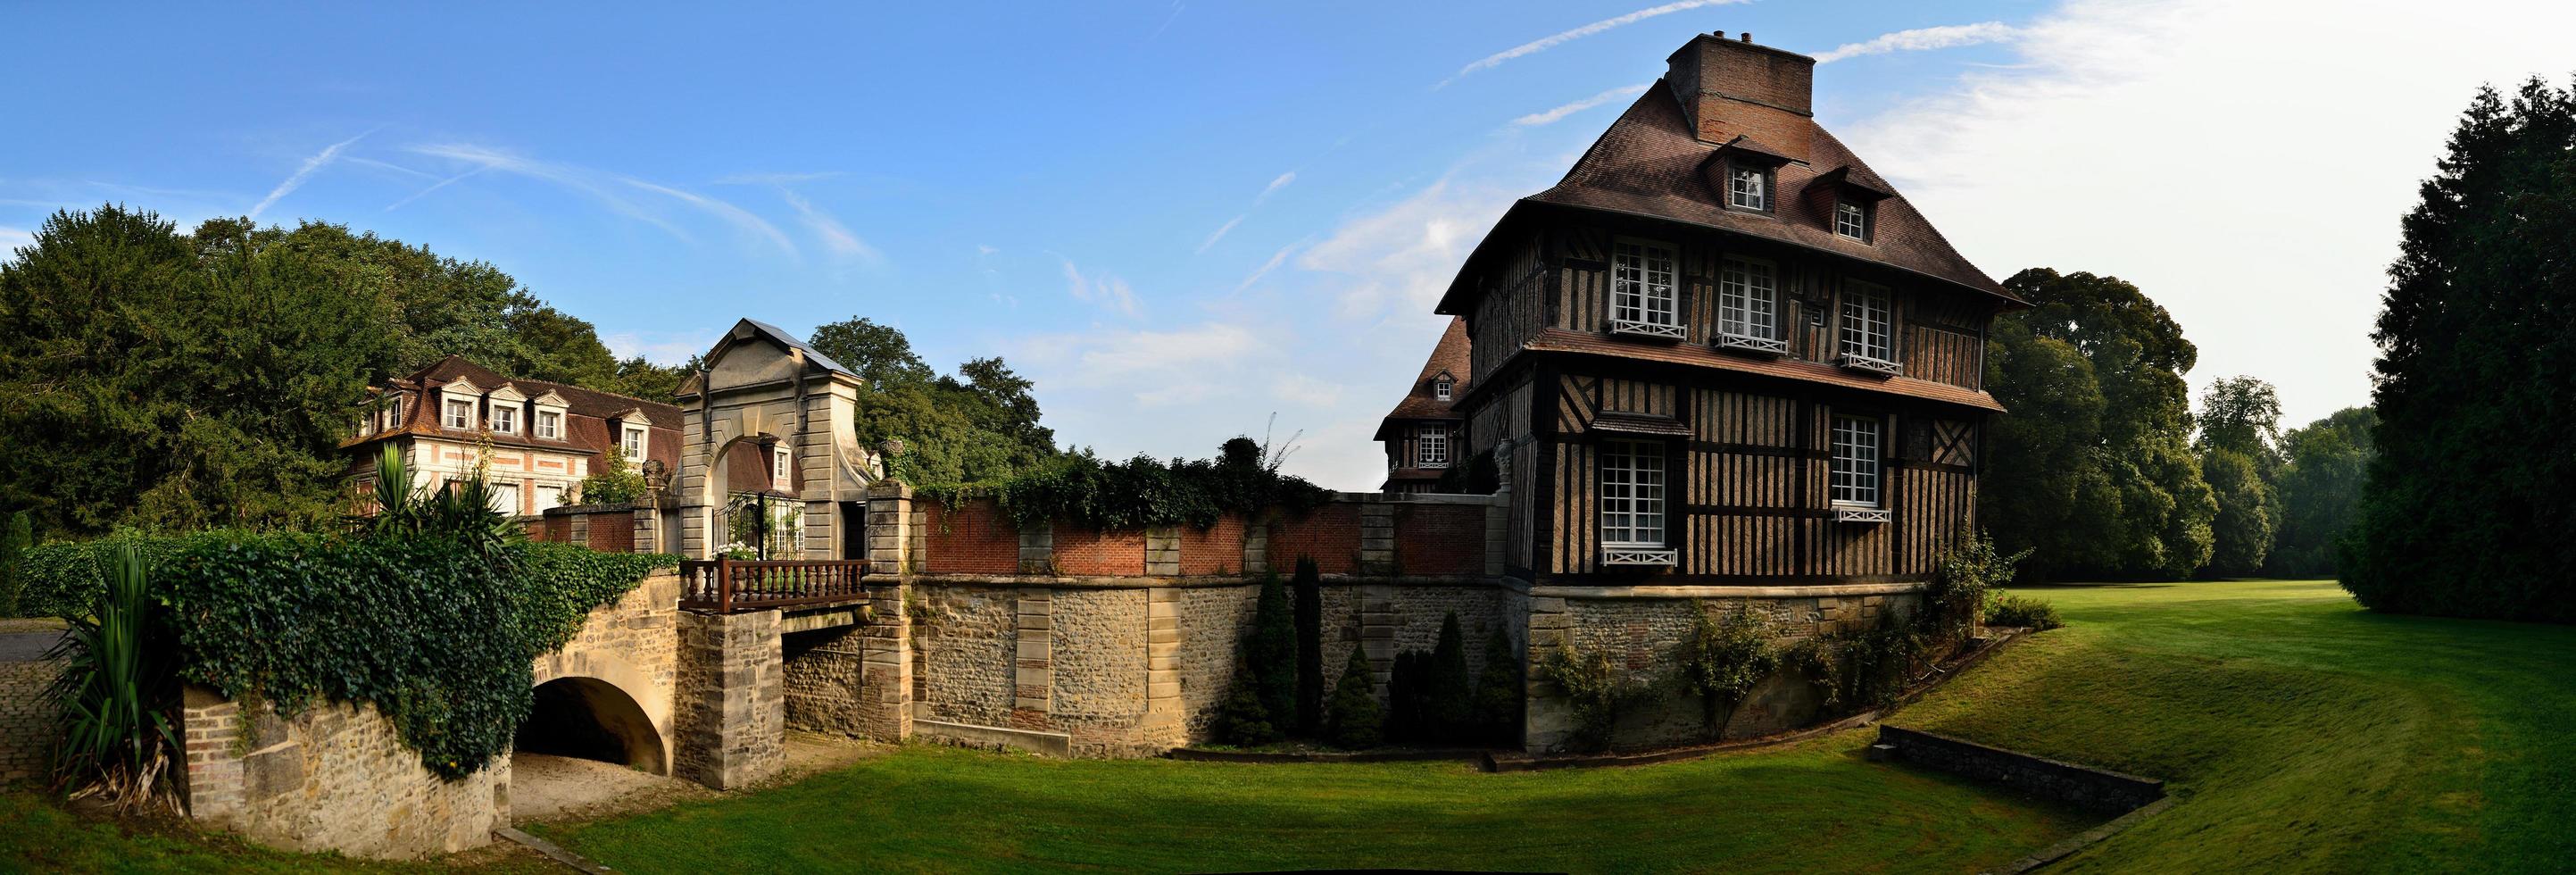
727	586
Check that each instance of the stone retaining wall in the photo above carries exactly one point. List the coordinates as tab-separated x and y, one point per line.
2092	789
336	777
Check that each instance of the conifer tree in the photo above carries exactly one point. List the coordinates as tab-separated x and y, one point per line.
1309	585
1356	721
1272	653
2466	509
1449	691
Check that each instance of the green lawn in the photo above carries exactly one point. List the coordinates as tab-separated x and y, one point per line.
2302	734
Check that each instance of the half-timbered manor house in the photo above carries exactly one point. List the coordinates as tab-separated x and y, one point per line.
1722	350
1421	433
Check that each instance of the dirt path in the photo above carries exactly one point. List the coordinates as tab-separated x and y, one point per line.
550	788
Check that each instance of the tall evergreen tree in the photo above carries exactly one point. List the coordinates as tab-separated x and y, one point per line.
2466	510
1309	586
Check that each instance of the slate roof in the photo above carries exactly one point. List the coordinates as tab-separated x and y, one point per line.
585	428
1650	164
789	340
1449	355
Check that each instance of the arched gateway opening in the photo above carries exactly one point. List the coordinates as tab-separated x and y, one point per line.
591	719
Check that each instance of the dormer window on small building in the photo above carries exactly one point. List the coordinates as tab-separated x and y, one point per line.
459	413
1851	220
1642	298
549	425
505	419
1441	386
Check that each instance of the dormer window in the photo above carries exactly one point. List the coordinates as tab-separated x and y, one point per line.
1642	298
549	425
1748	187
505	420
459	414
1851	221
632	445
778	467
1440	388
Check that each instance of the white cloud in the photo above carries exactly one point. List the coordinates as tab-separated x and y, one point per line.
1093	359
1553	40
660	347
2246	164
1923	39
1267	266
835	236
578	179
1221	231
1402	257
12	238
1108	292
1280	182
1553	115
296	180
737	216
1304	390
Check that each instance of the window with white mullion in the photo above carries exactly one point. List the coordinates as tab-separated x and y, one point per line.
1855	470
1632	494
1748	188
1851	220
1747	299
1869	324
460	414
1431	446
1641	289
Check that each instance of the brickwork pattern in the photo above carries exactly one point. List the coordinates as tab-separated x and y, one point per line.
1217	549
973	538
1081	551
26	721
1439	539
1331	535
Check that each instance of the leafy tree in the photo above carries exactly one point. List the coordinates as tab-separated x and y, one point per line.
2465	510
979	426
2092	468
2242	415
612	480
649	381
14	543
2242	532
2320	490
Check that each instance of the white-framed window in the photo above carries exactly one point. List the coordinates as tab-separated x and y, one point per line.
549	496
1748	188
1641	288
505	419
632	444
505	498
1440	389
1855	462
1869	324
778	467
1851	220
1632	494
1431	446
549	424
460	414
1748	298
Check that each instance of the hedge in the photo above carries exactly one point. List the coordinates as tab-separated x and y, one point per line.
436	634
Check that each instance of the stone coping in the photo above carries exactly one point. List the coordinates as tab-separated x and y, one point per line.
2082	786
1061	581
1052	744
1726	592
1197	754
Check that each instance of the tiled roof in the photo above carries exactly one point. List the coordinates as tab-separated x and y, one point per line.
1560	340
587	402
1450	356
585	430
1650	164
789	340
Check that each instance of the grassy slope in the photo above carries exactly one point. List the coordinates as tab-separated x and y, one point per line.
2306	733
1815	807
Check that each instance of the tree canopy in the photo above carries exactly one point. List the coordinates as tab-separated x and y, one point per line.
978	425
189	380
2465	509
2093	468
2323	467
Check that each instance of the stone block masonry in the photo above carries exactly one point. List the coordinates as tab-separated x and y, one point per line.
2098	790
26	721
731	711
336	777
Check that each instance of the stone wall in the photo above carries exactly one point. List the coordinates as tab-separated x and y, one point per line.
823	670
1643	632
2097	790
336	777
631	645
26	721
730	712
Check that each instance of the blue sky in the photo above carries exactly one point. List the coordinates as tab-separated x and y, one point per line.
1182	218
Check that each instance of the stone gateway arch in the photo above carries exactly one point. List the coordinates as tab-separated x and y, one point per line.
768	415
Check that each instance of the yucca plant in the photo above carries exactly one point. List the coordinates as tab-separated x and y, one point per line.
119	683
464	511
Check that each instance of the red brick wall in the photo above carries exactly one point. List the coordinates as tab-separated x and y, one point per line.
976	538
1084	551
612	531
1330	534
1217	548
1440	539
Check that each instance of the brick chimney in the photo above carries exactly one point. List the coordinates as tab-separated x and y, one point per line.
1734	87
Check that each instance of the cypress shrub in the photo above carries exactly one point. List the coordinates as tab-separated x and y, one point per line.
1448	695
1500	689
1356	721
1404	697
14	542
1247	723
1272	654
1309	584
